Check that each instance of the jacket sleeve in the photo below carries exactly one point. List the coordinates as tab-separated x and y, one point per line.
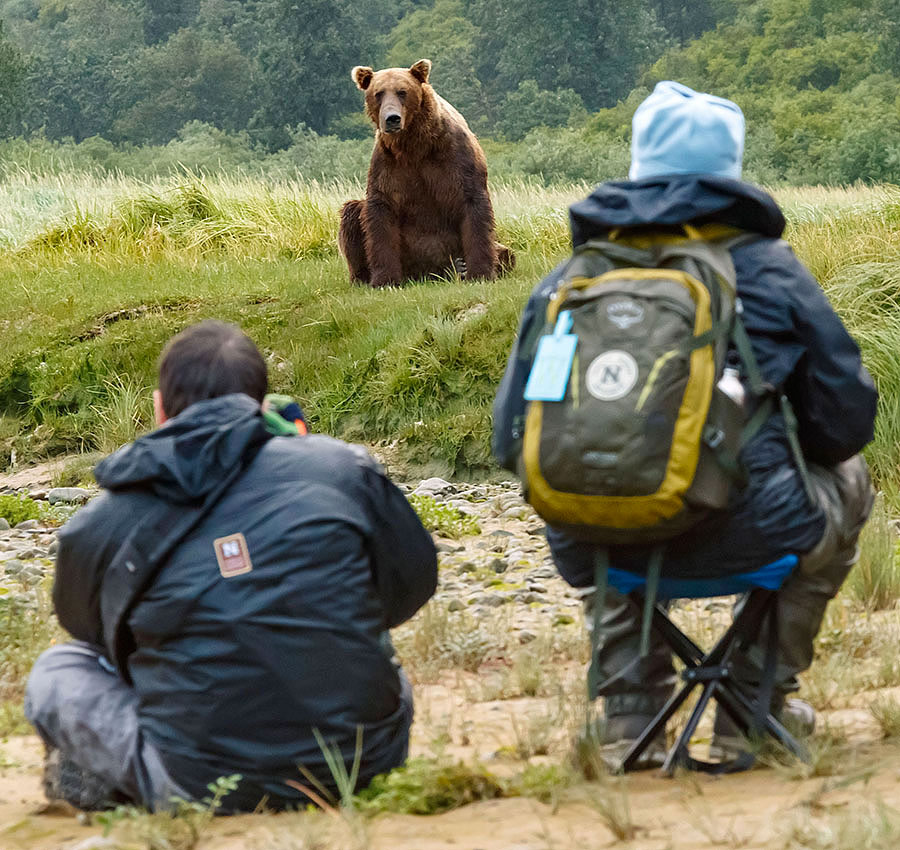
509	403
404	559
831	391
85	548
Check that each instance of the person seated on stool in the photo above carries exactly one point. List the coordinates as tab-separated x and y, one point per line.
687	150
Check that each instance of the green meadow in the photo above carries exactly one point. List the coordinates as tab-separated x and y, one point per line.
98	272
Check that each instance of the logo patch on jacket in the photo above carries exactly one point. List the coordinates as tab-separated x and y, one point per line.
232	555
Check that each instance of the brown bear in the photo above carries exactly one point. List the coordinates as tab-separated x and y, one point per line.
427	205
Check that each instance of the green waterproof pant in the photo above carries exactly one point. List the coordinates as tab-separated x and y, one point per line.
635	685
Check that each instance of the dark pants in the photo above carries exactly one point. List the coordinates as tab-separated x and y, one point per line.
635	685
80	706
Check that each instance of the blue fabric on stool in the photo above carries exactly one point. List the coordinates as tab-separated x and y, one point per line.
769	577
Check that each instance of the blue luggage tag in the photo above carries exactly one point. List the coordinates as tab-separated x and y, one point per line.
553	363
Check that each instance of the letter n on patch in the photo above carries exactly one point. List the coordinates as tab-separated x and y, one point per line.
232	555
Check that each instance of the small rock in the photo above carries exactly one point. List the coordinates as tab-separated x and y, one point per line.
475	493
464	507
536	529
434	486
51	550
536	588
493	600
517	512
526	597
500	532
466	567
498	565
30	553
526	637
450	548
27	524
13	567
32	573
76	495
511	500
516	555
4	524
38	495
456	605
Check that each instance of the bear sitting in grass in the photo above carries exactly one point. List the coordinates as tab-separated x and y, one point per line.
427	211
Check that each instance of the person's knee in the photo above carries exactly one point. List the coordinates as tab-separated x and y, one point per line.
45	687
40	688
857	495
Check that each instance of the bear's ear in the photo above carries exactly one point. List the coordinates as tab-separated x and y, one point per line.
362	76
421	70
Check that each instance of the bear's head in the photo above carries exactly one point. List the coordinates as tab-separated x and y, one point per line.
393	95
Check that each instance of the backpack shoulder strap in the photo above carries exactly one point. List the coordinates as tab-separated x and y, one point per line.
142	554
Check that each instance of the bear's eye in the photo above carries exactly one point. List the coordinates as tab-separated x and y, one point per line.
379	95
401	94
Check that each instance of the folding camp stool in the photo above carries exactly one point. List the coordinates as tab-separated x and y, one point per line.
755	618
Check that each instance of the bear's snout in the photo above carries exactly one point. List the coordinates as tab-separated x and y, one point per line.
391	112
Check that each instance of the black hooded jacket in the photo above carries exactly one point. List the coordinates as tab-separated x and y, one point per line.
799	342
235	673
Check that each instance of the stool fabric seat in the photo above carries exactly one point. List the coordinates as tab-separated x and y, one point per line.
712	671
769	577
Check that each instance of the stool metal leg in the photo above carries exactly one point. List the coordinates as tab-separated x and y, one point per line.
740	708
679	752
711	670
636	750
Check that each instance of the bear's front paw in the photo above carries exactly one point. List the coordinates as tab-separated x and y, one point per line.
480	274
382	281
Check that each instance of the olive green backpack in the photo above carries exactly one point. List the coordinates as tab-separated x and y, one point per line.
641	441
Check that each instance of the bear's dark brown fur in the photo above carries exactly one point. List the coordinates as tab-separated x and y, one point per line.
427	202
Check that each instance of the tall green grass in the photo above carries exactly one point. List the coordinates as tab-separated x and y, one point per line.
46	217
99	272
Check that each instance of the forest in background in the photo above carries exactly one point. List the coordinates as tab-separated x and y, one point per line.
144	86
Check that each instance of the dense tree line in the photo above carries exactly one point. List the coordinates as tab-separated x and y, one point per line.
552	82
138	70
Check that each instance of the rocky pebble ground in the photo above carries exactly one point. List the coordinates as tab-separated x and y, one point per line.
27	550
506	564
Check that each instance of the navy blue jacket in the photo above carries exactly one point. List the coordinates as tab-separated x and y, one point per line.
800	344
235	673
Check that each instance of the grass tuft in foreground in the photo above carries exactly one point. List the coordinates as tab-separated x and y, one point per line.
424	787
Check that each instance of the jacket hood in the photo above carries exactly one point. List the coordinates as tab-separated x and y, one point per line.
188	456
673	200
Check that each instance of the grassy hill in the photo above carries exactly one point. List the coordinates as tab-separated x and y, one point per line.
98	273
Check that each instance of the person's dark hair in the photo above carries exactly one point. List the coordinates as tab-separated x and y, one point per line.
209	360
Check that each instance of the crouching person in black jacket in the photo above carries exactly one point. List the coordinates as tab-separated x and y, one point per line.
230	594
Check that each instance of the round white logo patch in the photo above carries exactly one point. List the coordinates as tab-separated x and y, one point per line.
611	375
